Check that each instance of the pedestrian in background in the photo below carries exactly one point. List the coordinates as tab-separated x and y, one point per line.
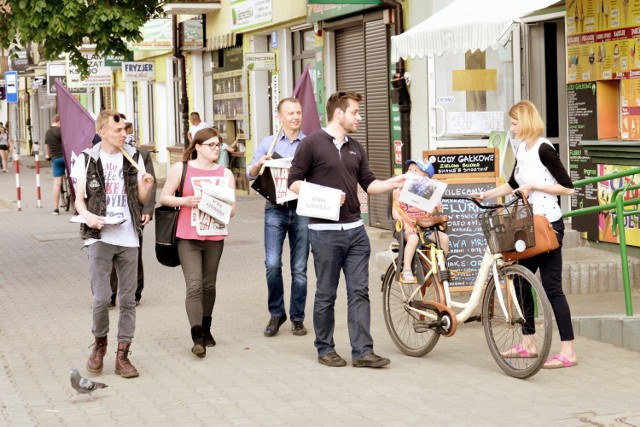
5	148
147	215
109	187
332	159
540	176
54	153
199	255
196	125
281	220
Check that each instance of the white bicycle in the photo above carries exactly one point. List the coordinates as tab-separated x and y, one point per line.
514	305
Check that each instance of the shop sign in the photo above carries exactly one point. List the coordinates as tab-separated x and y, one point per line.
322	12
57	71
260	61
376	2
99	74
191	33
138	71
156	35
246	14
115	61
11	86
233	59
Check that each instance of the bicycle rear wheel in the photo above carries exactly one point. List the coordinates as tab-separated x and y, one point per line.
526	309
407	328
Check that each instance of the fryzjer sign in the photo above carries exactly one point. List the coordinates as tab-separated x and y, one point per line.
138	71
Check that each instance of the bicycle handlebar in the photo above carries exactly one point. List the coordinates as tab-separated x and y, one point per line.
486	206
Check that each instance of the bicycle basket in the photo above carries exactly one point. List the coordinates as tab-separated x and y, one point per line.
502	227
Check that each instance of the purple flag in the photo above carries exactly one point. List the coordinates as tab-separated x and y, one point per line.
304	93
77	127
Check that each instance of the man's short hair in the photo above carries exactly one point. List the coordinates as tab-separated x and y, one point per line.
341	100
195	115
282	101
55	119
128	126
104	116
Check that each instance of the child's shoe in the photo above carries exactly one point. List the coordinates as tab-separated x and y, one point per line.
407	276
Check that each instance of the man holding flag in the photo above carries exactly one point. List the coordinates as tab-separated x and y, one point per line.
282	219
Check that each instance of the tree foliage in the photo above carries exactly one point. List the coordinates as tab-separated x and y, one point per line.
62	26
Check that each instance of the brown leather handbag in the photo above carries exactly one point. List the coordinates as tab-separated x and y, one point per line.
546	240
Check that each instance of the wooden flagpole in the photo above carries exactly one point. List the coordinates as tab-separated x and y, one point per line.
272	147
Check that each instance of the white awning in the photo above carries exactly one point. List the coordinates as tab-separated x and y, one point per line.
464	25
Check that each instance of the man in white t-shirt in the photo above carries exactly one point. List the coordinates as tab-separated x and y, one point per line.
196	125
109	187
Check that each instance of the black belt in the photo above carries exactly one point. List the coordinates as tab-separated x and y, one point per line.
291	204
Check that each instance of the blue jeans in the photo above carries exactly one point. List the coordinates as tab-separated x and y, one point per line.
349	251
278	221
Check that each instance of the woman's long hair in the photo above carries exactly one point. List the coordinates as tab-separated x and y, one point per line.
200	137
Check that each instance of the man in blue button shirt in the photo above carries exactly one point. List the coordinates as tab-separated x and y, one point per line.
280	220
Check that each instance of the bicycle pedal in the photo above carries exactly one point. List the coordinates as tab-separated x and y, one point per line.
394	247
422	327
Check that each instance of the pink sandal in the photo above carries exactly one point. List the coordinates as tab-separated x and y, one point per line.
564	362
518	352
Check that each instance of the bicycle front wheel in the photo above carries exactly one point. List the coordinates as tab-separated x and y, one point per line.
408	329
65	195
521	318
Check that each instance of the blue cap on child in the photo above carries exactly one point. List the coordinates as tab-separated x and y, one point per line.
426	167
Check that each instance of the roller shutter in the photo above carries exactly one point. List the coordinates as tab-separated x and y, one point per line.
362	65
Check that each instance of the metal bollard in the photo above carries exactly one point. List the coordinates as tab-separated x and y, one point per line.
38	193
16	163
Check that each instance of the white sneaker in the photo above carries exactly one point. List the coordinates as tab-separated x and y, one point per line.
408	277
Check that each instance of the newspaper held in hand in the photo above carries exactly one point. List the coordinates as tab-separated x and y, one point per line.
317	201
280	174
422	192
203	222
219	191
110	220
220	211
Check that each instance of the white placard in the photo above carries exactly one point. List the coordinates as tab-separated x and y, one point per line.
138	71
474	122
422	192
280	174
317	201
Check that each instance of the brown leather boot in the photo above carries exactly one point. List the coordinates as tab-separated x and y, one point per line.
124	368
95	362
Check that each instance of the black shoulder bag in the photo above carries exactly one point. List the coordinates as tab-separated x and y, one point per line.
166	219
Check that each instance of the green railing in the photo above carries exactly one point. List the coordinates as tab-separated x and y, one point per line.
617	227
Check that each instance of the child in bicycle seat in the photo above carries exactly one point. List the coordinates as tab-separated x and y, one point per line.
415	218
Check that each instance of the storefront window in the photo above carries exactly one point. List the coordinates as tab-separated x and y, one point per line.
303	52
472	92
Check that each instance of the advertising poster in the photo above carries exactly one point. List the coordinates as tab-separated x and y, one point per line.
607	218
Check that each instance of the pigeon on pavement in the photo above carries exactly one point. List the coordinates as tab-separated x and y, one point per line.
84	385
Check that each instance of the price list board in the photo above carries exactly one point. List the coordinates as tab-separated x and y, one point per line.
469	170
582	112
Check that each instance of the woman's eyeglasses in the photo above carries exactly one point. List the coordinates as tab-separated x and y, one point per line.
212	145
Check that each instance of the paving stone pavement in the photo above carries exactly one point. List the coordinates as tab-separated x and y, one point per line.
248	379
